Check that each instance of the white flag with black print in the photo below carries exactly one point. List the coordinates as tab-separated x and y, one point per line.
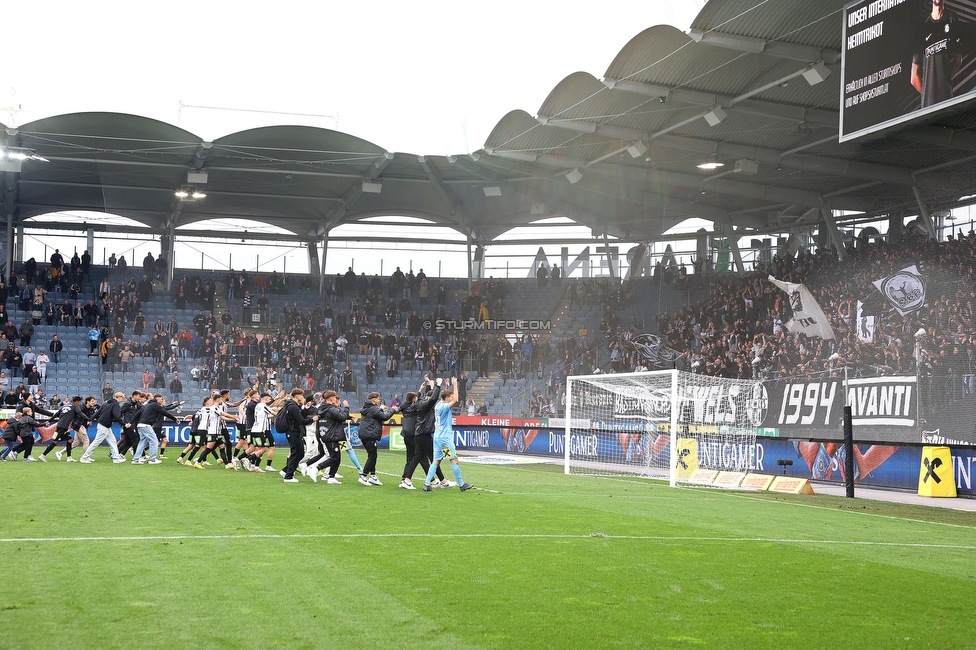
865	325
905	290
808	317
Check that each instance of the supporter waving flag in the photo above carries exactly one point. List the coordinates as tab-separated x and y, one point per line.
865	324
808	317
905	290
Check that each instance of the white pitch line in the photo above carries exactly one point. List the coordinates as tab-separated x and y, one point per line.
648	538
739	495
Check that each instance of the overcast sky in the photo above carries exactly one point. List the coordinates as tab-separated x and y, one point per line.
424	77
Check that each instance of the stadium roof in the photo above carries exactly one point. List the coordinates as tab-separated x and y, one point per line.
618	154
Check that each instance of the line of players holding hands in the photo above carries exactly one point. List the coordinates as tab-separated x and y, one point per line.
142	416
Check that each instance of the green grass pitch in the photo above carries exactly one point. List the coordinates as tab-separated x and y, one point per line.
117	556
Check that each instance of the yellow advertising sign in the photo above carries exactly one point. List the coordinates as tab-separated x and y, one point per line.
703	476
686	459
935	476
791	485
729	479
756	482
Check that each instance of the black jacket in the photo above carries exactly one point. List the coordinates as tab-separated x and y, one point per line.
152	414
414	411
332	422
371	422
297	421
425	417
109	413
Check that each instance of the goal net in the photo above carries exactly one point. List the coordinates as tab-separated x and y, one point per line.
662	424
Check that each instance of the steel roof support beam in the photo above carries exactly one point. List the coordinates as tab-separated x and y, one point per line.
458	210
834	232
924	215
867	171
776	49
353	193
687	209
753	106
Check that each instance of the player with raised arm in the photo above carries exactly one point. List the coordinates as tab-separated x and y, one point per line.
417	435
444	437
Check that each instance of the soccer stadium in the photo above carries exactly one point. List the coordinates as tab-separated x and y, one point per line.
677	359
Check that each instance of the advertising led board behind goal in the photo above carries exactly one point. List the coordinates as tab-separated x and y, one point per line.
903	60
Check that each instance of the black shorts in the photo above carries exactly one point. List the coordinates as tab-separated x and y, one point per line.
267	439
62	434
160	435
198	438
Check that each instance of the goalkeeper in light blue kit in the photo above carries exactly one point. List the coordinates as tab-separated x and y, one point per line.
444	438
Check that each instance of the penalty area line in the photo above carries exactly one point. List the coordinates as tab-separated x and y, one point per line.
648	538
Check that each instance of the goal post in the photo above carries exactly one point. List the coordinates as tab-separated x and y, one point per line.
661	424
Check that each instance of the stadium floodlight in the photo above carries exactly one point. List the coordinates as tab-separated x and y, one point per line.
816	73
198	195
574	176
182	194
19	154
637	149
715	116
663	424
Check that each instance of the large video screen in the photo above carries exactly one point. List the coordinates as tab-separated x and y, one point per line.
903	60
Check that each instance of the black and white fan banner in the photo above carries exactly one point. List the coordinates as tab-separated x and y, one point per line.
905	290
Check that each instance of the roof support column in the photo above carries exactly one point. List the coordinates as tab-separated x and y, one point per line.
923	214
9	261
606	249
170	253
470	265
833	232
322	258
313	258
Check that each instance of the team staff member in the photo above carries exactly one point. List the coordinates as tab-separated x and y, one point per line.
150	416
423	441
444	439
129	438
21	426
70	417
420	449
371	420
331	432
107	415
295	431
161	438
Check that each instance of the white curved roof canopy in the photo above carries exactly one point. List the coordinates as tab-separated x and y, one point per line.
618	154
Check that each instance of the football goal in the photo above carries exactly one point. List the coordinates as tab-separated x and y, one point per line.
662	424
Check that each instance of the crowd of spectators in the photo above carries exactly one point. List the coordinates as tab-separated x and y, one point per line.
739	330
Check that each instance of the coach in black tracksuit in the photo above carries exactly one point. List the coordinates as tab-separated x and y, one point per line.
297	421
370	433
331	430
418	423
70	417
130	417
